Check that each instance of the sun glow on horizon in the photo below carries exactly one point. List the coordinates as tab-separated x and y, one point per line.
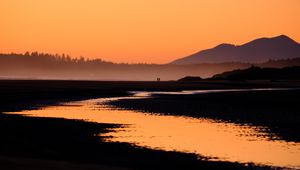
134	31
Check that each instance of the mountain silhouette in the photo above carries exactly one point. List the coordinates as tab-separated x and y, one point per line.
256	51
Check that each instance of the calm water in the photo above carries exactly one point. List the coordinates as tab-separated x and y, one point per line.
206	137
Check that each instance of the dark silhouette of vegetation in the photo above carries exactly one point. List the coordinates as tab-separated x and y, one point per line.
281	63
257	73
190	79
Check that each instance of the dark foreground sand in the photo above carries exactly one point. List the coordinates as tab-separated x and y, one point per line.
41	143
22	163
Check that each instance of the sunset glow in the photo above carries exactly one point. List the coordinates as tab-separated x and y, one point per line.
151	31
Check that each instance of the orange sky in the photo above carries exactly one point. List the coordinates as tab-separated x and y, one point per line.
152	31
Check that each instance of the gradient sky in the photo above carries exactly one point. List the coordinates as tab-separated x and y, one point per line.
152	31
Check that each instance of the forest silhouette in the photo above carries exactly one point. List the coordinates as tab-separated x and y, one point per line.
48	66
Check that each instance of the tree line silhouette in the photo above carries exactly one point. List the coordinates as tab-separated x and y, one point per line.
45	58
257	73
55	66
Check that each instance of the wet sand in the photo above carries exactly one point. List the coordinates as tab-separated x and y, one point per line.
75	141
277	110
22	163
215	140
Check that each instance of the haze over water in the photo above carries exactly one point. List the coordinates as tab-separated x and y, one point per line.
206	137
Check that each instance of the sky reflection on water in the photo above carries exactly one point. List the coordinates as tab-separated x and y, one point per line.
206	137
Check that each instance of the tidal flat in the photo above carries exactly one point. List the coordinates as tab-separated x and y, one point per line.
78	142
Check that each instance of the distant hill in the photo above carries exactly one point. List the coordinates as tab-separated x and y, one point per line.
257	73
256	51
